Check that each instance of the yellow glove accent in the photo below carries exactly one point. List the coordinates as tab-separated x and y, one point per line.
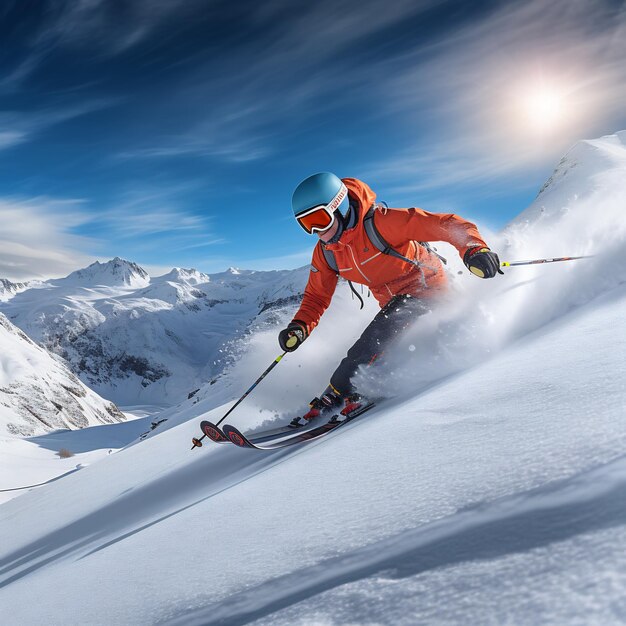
475	270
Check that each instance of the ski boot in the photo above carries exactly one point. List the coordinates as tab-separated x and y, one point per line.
328	401
352	403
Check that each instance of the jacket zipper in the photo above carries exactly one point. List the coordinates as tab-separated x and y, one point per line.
372	257
356	265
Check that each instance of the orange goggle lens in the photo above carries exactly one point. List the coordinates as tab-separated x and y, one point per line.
317	219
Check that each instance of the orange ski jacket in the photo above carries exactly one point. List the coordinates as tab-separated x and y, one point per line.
359	261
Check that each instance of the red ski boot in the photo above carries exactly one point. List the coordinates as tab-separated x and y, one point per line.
352	403
329	400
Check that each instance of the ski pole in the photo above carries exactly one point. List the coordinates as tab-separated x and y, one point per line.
275	362
537	261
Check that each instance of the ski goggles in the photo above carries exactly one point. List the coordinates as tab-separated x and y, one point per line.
319	219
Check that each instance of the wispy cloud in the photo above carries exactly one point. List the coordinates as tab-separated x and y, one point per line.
476	77
12	80
148	217
143	220
286	261
204	141
100	28
10	138
109	27
302	64
17	128
39	236
36	239
287	85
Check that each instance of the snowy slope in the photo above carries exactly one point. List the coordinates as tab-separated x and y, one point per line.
139	340
38	393
491	490
508	506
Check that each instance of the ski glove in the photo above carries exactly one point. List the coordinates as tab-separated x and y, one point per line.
482	262
291	337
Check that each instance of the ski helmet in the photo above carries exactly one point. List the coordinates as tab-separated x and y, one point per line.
316	199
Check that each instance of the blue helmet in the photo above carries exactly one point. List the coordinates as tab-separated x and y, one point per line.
320	191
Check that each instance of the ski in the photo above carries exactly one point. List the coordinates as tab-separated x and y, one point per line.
239	439
215	433
211	431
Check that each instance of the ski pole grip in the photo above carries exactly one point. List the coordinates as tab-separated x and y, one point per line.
291	342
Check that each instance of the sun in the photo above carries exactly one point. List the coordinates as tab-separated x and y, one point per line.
543	108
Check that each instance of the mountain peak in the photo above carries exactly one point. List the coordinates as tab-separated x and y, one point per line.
9	289
189	276
114	273
574	178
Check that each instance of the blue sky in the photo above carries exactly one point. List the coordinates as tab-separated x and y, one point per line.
172	133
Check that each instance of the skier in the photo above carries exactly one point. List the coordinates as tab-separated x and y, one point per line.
382	248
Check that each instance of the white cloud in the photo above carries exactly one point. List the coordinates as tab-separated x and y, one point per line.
10	138
35	239
135	221
148	218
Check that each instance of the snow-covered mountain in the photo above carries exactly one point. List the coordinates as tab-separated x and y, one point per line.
8	289
39	394
135	339
189	277
114	273
490	490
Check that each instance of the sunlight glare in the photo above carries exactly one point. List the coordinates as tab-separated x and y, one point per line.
543	107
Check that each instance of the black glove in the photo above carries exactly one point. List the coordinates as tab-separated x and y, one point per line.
482	262
291	337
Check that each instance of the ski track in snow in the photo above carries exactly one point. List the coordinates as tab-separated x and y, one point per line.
587	502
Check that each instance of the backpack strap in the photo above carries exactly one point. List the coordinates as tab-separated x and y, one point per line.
329	257
379	242
377	239
433	251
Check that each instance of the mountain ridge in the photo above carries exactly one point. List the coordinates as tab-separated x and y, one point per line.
136	338
38	393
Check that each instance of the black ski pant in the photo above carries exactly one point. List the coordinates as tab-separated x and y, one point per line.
391	320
